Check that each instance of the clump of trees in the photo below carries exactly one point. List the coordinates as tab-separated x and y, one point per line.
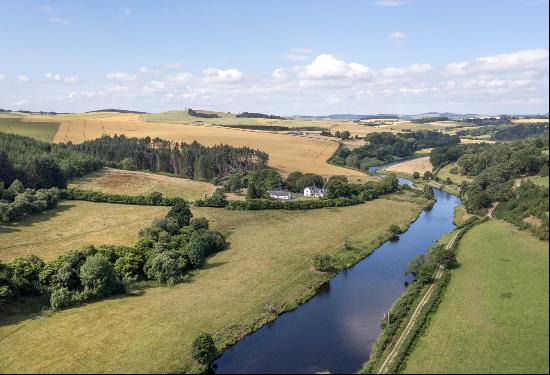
40	165
386	147
194	113
259	115
217	199
296	182
426	120
193	161
17	202
165	252
204	349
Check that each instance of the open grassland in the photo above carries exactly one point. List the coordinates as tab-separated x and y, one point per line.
494	315
469	141
42	131
461	215
267	266
445	173
408	167
117	181
73	225
287	153
541	181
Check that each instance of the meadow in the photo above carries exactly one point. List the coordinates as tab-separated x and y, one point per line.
494	314
408	167
541	181
445	173
73	225
267	269
117	181
43	131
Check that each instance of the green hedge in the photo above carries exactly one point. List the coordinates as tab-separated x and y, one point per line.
270	204
153	199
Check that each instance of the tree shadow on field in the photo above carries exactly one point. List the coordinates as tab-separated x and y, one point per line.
212	265
34	219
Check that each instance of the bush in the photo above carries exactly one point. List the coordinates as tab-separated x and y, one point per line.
203	349
25	274
61	298
395	230
323	262
167	267
199	223
98	276
416	175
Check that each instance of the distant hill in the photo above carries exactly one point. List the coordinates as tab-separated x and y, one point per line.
117	111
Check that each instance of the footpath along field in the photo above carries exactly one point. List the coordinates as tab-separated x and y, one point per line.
266	268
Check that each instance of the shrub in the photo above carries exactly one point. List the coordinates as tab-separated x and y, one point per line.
199	223
98	276
416	175
61	298
167	267
323	262
203	349
395	229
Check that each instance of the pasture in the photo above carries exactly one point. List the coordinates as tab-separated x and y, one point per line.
267	266
117	181
445	173
73	225
494	314
541	181
43	131
287	153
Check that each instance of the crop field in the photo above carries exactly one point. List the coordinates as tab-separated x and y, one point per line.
287	153
494	314
117	181
468	141
42	131
233	294
445	173
72	225
408	167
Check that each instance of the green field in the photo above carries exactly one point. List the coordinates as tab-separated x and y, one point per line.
42	131
72	225
494	315
541	181
455	178
267	266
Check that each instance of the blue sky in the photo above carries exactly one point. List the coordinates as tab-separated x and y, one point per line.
283	57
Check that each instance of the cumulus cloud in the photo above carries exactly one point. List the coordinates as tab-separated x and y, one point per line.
397	37
525	59
23	78
409	70
279	75
327	67
222	76
2	77
172	66
121	77
180	78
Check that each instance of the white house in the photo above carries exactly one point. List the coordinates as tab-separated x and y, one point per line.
314	191
280	194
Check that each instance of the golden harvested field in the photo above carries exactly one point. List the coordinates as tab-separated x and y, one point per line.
529	120
117	181
230	296
72	225
287	153
468	141
408	167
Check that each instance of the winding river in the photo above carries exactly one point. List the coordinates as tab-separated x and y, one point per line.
335	330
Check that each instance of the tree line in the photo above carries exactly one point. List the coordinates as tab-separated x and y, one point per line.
259	115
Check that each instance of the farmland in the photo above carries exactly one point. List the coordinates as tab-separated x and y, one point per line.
116	181
287	153
408	167
72	225
445	173
231	295
42	131
494	314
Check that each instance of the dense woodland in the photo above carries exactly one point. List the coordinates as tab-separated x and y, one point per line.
259	115
192	161
194	113
507	132
426	120
387	147
498	173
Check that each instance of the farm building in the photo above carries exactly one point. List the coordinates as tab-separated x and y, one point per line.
313	191
280	194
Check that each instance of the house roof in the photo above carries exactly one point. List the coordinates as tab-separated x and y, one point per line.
279	193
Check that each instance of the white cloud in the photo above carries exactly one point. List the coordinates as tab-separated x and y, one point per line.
327	67
58	78
409	70
525	59
55	17
334	99
397	36
71	79
20	103
23	78
298	54
121	77
222	76
279	75
389	3
296	57
172	66
2	77
180	78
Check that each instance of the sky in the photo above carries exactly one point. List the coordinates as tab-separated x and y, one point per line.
283	57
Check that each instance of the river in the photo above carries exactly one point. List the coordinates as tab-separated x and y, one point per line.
335	330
